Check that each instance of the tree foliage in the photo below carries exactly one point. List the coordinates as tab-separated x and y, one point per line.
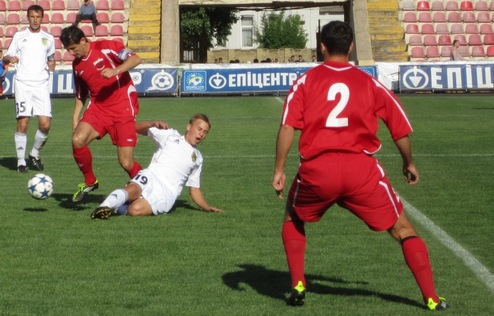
206	23
279	31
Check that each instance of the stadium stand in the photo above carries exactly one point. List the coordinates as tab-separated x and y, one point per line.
117	17
417	54
103	17
442	28
3	6
101	31
432	53
14	5
452	6
117	5
116	30
102	5
471	28
427	28
444	40
439	17
13	18
67	57
26	4
425	17
57	18
481	6
454	16
468	17
486	28
45	4
483	17
415	40
437	5
445	53
410	17
488	39
56	30
73	5
475	40
490	52
58	5
466	6
423	6
478	52
2	20
408	5
430	40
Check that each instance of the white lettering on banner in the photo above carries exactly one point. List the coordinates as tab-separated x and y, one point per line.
261	80
480	78
65	83
453	76
436	78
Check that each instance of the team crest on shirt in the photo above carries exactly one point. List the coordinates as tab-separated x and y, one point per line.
194	157
44	41
98	64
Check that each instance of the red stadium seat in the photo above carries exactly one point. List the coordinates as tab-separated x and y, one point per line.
437	5
101	30
408	5
466	6
102	17
469	17
67	57
58	56
14	5
26	4
423	6
116	30
88	30
117	5
71	17
412	28
460	38
432	53
10	31
428	28
45	4
483	17
417	53
488	39
444	40
57	18
73	5
1	45
452	6
481	6
472	28
3	6
56	30
439	17
486	28
102	5
442	28
415	40
13	18
117	17
58	44
7	43
430	40
446	51
58	5
457	28
410	17
1	32
465	51
491	6
46	18
490	51
475	40
478	51
454	17
425	17
2	19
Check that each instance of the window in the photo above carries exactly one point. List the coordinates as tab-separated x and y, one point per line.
247	31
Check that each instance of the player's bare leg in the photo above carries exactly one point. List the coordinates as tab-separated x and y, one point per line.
126	160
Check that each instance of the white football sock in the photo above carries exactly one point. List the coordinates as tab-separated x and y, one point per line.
39	141
20	148
116	199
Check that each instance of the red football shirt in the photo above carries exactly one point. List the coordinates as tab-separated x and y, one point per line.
336	106
115	96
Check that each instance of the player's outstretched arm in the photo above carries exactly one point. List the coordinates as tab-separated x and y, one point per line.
410	171
198	198
143	127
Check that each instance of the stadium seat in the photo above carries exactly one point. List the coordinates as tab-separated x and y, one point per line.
483	17
13	18
102	5
486	28
56	30
67	57
446	52
10	31
444	40
119	39
488	39
430	40
410	17
415	40
7	42
437	5
490	51
45	4
460	38
432	53
3	6
442	28
466	6
26	4
117	17
425	17
471	28
117	5
58	56
412	29
465	51
417	53
116	30
1	32
468	17
452	6
423	6
481	6
491	6
408	5
439	17
46	18
88	30
475	40
102	17
58	44
101	30
454	17
427	28
71	16
14	5
478	52
73	5
58	5
1	46
57	18
2	20
457	28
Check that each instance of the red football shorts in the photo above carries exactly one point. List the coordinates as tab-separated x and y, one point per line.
122	130
356	182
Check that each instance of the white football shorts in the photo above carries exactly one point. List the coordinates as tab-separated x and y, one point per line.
32	100
155	191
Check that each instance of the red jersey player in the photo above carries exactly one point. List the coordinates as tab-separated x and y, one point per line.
336	107
101	71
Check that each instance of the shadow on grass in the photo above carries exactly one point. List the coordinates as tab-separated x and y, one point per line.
9	163
35	209
272	283
65	201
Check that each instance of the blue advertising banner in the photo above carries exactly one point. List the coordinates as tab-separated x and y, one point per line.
148	80
240	80
446	77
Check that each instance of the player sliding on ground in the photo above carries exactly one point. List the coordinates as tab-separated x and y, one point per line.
175	163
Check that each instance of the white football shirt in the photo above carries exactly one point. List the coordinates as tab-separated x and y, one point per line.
177	162
32	49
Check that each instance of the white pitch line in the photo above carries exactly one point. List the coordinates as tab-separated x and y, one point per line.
484	275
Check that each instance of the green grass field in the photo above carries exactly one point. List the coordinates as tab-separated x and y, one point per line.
54	260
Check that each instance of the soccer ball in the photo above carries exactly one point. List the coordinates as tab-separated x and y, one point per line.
40	186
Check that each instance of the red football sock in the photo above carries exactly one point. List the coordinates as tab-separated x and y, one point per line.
293	235
84	160
134	170
417	259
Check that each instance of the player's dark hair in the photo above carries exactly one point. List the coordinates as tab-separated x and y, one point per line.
36	8
71	35
337	36
200	116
